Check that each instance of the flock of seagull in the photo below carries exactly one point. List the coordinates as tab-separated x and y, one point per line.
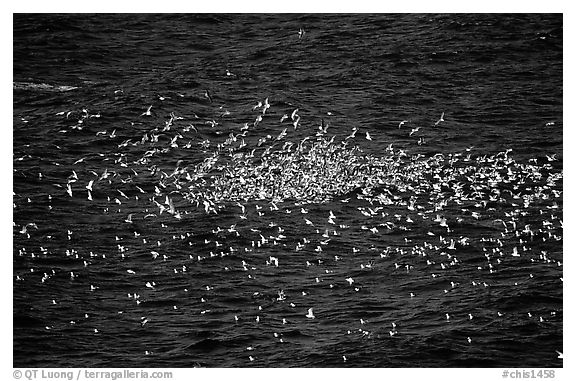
276	196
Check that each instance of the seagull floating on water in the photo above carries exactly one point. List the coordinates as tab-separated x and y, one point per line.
310	314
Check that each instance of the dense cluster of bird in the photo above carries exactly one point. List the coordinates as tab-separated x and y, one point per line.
404	213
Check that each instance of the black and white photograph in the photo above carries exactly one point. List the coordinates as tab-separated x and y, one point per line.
288	190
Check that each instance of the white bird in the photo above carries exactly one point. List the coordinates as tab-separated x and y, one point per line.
147	112
207	95
350	280
353	134
439	120
301	33
368	137
296	121
257	106
310	314
560	355
258	120
294	115
402	122
515	252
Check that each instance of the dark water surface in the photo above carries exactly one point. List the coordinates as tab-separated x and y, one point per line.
186	221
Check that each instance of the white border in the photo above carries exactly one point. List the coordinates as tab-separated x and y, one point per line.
300	6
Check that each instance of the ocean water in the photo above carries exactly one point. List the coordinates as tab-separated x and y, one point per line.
155	226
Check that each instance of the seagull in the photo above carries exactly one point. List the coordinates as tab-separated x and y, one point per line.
207	95
439	120
323	126
310	314
331	218
295	123
350	280
551	158
402	122
147	112
301	33
414	130
560	355
368	137
353	134
294	114
515	252
258	120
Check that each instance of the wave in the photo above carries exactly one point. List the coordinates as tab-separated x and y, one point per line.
30	86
